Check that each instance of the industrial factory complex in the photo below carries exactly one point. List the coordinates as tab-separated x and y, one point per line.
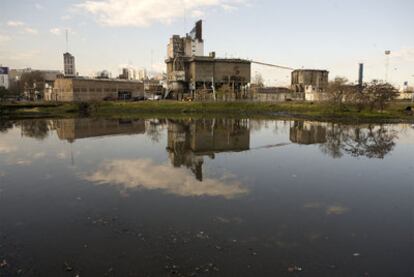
190	75
190	72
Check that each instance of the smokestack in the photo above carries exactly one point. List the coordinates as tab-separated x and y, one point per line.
199	30
361	75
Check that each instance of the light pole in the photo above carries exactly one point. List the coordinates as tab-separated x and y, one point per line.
412	92
387	64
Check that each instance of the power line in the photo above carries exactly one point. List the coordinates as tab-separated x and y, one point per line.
272	65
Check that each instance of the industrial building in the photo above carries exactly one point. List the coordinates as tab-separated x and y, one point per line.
79	128
83	89
34	83
190	73
190	45
312	82
308	132
273	94
190	141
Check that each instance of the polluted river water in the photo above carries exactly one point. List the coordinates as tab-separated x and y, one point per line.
205	197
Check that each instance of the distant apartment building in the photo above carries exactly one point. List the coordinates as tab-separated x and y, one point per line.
83	89
69	65
4	77
141	74
127	74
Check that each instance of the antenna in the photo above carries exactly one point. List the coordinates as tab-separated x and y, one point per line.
184	16
67	40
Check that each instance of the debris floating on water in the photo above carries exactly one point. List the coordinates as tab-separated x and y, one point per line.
3	263
295	268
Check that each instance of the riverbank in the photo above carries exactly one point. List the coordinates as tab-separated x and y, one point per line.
395	112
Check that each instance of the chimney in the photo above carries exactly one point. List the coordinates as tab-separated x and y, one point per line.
361	75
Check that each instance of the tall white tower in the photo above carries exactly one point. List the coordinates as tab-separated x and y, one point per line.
69	65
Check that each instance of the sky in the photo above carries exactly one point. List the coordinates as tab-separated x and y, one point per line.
108	34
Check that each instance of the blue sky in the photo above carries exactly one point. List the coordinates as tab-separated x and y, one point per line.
106	34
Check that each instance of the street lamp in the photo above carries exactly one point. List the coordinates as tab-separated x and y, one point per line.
387	64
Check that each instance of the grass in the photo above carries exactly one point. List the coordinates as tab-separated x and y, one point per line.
317	111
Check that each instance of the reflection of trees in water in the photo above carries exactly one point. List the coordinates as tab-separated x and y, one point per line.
371	141
38	129
333	144
5	125
154	129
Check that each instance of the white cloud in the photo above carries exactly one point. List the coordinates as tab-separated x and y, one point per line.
61	155
406	54
6	148
30	31
13	23
197	14
39	7
39	155
130	174
60	31
4	38
14	56
56	31
21	162
65	17
141	13
23	27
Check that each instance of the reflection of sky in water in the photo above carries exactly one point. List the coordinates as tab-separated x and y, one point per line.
148	175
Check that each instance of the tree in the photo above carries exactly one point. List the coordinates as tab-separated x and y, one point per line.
379	94
38	129
258	80
338	91
373	142
32	81
3	93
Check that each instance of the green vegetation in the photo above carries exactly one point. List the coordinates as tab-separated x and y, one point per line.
394	112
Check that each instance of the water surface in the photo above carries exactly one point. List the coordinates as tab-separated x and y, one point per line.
223	197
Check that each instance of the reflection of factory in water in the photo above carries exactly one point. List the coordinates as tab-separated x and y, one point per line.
190	141
77	128
308	132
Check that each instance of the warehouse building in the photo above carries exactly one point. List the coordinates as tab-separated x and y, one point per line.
83	89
